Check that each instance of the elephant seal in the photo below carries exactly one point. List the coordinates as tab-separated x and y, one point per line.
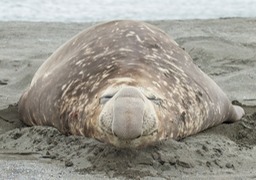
126	83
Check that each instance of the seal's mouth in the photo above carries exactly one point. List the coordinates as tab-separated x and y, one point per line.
139	142
128	118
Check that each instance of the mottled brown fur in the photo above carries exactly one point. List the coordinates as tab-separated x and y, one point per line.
65	91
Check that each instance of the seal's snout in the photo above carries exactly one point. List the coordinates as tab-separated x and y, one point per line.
128	117
128	113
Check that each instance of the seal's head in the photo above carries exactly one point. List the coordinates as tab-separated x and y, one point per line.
128	117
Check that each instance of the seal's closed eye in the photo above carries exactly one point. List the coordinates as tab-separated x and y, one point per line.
151	97
154	99
105	99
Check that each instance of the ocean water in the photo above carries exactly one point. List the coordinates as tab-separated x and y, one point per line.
99	10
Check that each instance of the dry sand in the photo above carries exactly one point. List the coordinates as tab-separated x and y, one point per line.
225	49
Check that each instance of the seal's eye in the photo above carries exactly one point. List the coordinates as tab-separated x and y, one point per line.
105	98
154	99
151	97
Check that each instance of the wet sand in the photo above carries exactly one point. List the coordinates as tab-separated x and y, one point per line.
225	49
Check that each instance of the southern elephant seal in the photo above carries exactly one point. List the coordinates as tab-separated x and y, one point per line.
126	83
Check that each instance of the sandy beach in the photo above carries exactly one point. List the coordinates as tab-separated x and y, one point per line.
225	49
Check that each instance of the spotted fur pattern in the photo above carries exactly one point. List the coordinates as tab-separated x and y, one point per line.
66	89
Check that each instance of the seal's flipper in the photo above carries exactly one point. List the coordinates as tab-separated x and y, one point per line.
236	114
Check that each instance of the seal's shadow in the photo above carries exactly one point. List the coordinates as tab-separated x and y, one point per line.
9	119
242	132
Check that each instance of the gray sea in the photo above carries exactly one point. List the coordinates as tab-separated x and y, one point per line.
100	10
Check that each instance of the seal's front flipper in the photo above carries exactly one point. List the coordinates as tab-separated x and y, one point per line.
236	114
